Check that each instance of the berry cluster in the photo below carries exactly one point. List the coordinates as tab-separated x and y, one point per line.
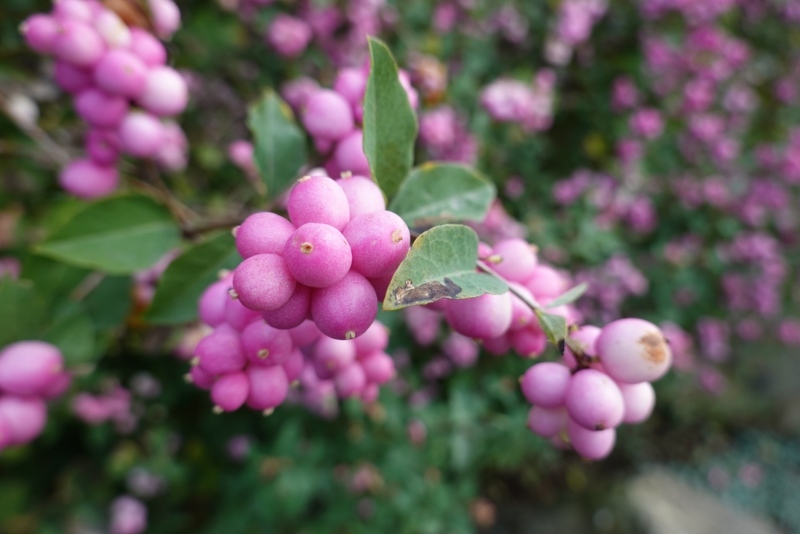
246	360
120	84
603	381
330	261
333	117
31	372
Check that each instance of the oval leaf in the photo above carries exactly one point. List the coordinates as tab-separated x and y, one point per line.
187	277
440	264
118	235
570	296
436	193
554	327
390	125
279	145
22	311
72	331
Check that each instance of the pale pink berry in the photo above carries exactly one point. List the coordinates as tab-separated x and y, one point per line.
230	391
25	418
330	355
296	310
376	338
317	255
363	195
350	381
29	367
547	422
221	351
165	92
213	301
633	351
639	400
318	199
594	445
351	84
166	17
545	384
101	109
482	317
148	48
545	282
515	259
585	337
121	73
349	154
593	400
327	115
72	10
379	241
112	29
78	43
263	233
268	387
265	345
103	146
86	179
141	134
40	32
424	324
346	309
461	350
378	367
263	282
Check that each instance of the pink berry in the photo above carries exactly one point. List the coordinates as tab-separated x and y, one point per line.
166	17
545	282
351	84
230	391
349	154
103	146
86	179
547	422
633	351
528	342
305	334
265	345
263	233
101	109
330	355
585	337
114	32
594	445
200	378
40	32
370	393
165	92
237	316
376	338
363	195
221	351
268	387
639	400
318	199
25	418
424	324
29	367
73	10
381	285
482	317
516	259
317	255
378	367
545	384
379	240
461	350
327	115
148	48
294	365
593	400
141	134
58	386
263	282
71	78
346	309
497	346
121	73
294	312
78	43
350	381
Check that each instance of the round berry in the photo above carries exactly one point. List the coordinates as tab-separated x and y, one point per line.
101	109
230	391
363	195
141	134
328	115
318	199
516	259
350	381
545	384
121	73
268	387
263	233
482	317
379	240
29	367
594	445
165	92
639	400
633	351
265	345
86	179
348	156
547	422
263	282
346	309
593	400
293	313
317	255
221	351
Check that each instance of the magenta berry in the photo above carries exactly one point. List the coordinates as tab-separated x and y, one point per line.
547	422
268	387
317	255
101	109
86	179
327	115
461	350
528	342
29	367
515	259
200	378
40	32
263	233
379	240
294	365
230	391
378	367
330	355
318	199
103	146
25	418
296	310
545	384
593	400
263	282
238	316
71	78
305	334
265	345
350	381
212	302
376	338
346	309
221	351
121	73
78	43
349	154
363	195
480	317
633	351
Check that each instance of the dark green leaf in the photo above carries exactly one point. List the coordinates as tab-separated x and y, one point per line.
22	311
279	144
570	296
109	303
435	193
72	331
187	276
440	264
390	125
554	327
119	235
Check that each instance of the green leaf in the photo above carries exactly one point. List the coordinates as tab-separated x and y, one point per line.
119	235
109	303
279	145
390	125
72	331
435	193
22	311
554	327
187	277
570	296
440	264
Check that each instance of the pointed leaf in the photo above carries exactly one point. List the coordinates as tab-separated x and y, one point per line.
279	145
119	235
187	277
570	296
553	326
436	193
390	125
440	264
